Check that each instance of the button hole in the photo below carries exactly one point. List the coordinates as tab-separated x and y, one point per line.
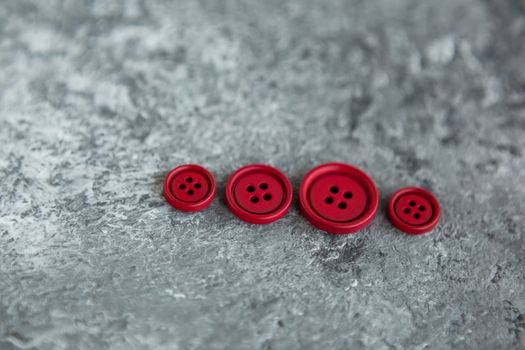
250	188
267	197
347	195
263	186
334	189
422	208
341	205
328	200
406	210
412	203
182	186
190	192
417	216
254	199
197	185
189	180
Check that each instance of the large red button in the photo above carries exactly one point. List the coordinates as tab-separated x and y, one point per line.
258	194
338	198
189	187
413	210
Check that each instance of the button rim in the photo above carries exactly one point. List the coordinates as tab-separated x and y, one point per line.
335	227
249	216
401	224
188	206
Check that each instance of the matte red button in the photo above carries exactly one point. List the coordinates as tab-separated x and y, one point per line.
189	187
338	198
258	194
413	210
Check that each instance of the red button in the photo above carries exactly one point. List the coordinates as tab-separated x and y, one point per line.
258	194
189	187
413	210
338	198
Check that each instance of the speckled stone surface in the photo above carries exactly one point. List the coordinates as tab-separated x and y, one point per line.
99	99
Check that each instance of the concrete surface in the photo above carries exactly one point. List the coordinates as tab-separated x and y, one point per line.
99	99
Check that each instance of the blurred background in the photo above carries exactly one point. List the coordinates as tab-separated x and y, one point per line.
100	99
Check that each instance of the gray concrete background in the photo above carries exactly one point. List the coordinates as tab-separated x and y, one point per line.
99	99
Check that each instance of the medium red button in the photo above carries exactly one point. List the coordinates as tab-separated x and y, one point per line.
413	210
338	198
258	194
189	187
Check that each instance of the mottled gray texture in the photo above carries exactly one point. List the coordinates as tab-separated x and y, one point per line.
99	99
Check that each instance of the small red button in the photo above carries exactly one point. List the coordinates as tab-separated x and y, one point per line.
258	194
189	188
338	198
413	210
